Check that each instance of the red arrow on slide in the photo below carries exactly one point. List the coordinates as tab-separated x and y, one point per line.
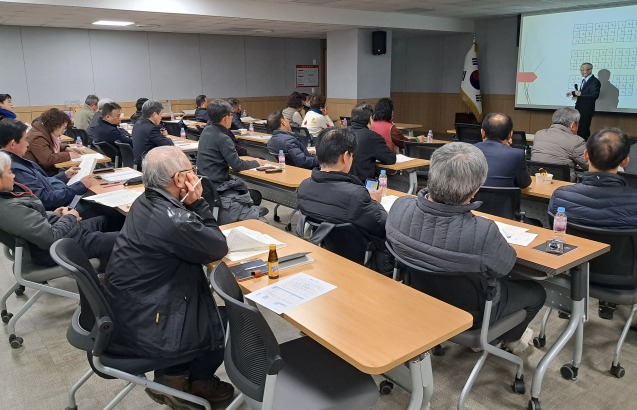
523	77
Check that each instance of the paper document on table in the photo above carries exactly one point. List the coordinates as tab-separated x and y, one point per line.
116	198
290	292
187	145
515	235
266	165
388	201
188	112
259	136
244	243
86	168
95	155
402	158
244	119
120	176
260	122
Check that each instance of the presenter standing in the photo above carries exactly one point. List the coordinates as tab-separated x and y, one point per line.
586	94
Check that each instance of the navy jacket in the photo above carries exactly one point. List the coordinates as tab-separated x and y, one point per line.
601	200
590	92
201	115
507	165
52	191
370	147
295	153
147	136
107	132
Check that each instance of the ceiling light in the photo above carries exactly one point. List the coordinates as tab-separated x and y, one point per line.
113	23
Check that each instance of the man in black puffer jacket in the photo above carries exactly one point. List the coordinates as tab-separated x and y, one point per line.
283	139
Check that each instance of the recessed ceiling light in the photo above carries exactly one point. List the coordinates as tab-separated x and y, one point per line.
113	23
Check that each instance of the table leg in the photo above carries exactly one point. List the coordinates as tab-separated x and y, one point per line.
418	381
413	182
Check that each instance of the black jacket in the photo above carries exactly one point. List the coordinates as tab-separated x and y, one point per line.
107	132
585	103
507	165
601	200
295	152
147	136
201	115
236	121
155	282
370	147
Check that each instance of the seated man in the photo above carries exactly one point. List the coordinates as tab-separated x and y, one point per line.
147	131
107	129
236	114
333	195
507	165
6	107
370	146
155	282
560	143
52	191
90	130
23	215
200	112
84	115
437	231
284	139
316	119
138	110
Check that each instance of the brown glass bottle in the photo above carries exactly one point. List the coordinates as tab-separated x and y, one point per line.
273	263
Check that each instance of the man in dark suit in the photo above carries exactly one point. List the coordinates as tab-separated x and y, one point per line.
147	131
107	129
507	165
586	94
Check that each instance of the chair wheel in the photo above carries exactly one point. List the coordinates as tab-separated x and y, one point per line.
438	350
617	371
569	372
6	316
518	385
539	342
276	218
15	341
19	291
288	227
386	387
534	404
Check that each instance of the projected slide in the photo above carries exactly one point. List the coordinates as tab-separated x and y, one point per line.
554	46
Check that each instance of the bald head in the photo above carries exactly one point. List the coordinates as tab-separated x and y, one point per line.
607	149
161	164
497	126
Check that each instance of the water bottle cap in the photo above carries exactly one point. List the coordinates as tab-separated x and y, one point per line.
280	151
383	172
429	130
561	209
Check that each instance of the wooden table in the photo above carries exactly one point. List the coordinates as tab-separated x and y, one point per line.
256	143
186	145
364	319
543	191
65	139
75	162
411	167
97	188
402	126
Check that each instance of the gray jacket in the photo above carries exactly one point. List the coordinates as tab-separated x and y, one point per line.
558	145
445	238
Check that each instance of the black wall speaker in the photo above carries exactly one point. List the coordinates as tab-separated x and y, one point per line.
379	42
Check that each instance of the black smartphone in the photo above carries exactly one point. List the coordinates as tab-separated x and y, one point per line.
74	202
102	170
273	170
371	184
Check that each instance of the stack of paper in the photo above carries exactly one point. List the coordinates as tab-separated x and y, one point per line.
95	155
244	243
402	158
245	119
86	168
388	201
515	235
120	176
116	198
187	145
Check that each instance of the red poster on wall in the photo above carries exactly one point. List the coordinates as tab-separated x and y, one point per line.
307	75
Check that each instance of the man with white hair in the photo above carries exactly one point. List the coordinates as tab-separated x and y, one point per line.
84	115
90	130
156	285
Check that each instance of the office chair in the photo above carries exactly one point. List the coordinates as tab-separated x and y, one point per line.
343	239
92	326
465	291
108	150
561	172
631	179
174	128
78	132
500	201
304	135
469	133
211	196
29	275
299	374
260	128
126	152
423	150
519	141
612	278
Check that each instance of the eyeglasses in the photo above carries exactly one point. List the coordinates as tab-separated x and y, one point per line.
193	169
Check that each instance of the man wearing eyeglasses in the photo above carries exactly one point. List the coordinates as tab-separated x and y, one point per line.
156	285
586	93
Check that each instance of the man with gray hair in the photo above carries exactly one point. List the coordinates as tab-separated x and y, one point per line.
84	115
586	94
156	285
560	144
90	130
148	132
438	232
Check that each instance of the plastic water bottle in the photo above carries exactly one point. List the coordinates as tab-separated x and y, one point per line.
344	122
182	133
430	136
281	159
245	113
251	127
382	182
559	225
78	142
172	116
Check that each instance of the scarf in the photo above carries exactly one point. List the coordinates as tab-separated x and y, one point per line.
7	113
317	110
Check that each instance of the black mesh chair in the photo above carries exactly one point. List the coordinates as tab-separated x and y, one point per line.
631	179
260	128
561	172
126	152
211	196
423	150
612	276
465	291
78	132
91	329
500	201
469	133
519	141
108	150
304	135
343	239
174	128
299	374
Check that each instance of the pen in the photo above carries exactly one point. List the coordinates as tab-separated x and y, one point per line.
256	267
110	184
186	196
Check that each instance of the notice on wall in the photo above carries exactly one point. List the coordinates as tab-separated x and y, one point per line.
307	75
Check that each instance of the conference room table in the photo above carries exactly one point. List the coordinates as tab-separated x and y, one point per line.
104	187
410	166
372	322
65	139
256	143
76	161
186	145
565	279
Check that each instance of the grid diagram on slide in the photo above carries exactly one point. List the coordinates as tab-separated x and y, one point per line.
624	83
627	31
578	57
625	59
602	58
583	33
605	32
